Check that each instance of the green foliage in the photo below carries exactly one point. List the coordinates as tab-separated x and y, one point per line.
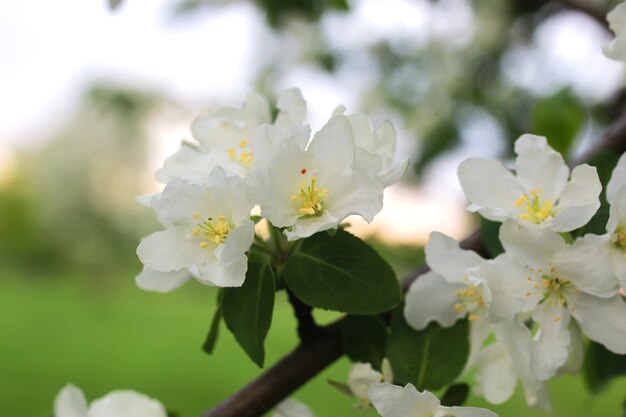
559	118
602	365
342	273
441	138
114	4
455	395
604	162
248	309
364	339
214	330
431	358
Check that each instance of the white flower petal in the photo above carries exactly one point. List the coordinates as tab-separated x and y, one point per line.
490	188
465	412
360	377
221	275
618	264
617	22
70	402
431	298
587	264
292	408
126	404
151	280
601	319
479	330
394	175
538	166
549	349
353	191
292	109
618	177
575	352
306	227
394	401
617	212
333	146
510	289
236	244
579	200
496	375
445	257
531	244
170	250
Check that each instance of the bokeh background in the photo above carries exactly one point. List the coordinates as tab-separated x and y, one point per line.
93	98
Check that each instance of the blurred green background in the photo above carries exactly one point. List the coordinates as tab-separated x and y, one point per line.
457	77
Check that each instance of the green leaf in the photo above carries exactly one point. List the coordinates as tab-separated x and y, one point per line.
431	358
559	118
114	4
602	365
342	273
455	395
214	331
364	339
490	236
248	309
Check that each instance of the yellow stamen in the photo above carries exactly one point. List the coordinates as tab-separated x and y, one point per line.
520	201
232	154
204	245
212	231
311	198
243	143
535	211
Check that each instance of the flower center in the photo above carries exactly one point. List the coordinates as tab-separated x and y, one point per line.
470	300
535	211
243	155
211	230
311	198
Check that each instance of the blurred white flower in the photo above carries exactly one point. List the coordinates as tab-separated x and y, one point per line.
362	375
308	190
208	233
292	408
71	402
394	401
617	22
539	193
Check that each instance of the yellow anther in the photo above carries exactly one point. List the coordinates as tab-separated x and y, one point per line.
557	318
311	198
196	216
523	216
204	245
520	201
243	143
459	308
473	317
232	154
196	231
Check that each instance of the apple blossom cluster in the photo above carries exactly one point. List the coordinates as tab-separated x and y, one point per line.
529	307
241	158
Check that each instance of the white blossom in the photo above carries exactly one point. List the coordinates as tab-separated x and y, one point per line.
617	22
292	408
539	193
308	190
394	401
362	375
71	402
540	274
208	233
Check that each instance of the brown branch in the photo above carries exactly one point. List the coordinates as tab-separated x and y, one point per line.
312	356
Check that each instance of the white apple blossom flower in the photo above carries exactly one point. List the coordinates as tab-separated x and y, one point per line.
308	190
292	408
225	138
375	147
618	177
208	233
539	193
71	402
362	375
616	239
542	275
394	401
617	22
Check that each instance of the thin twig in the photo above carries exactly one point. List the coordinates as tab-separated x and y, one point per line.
314	355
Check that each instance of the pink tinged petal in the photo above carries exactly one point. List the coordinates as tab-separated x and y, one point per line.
533	245
126	404
444	256
550	344
464	412
333	146
540	167
292	408
432	298
394	401
237	243
512	288
601	319
216	274
515	338
170	250
496	375
617	212
70	402
587	264
491	189
618	177
151	280
579	200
